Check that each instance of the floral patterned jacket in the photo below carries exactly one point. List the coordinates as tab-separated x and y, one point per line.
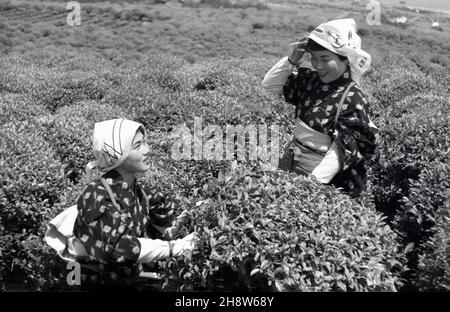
110	234
316	105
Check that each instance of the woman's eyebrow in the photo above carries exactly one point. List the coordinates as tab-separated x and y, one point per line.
138	141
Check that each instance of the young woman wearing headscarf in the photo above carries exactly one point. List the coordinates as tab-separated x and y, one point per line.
333	132
111	230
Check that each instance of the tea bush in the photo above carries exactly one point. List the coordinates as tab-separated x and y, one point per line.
433	268
278	232
50	87
32	182
423	203
412	144
147	91
236	93
18	108
393	86
226	4
428	201
406	144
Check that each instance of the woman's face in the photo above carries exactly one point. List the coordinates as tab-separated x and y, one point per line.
328	65
138	160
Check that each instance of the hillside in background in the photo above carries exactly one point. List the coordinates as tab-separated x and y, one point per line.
126	30
163	63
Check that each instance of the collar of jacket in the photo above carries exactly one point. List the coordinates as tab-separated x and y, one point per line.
114	178
342	81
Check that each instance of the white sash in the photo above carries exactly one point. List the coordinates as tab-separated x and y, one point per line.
60	237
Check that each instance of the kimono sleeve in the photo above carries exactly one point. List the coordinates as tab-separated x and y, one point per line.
295	85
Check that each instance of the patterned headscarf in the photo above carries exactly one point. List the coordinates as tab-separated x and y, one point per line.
112	143
340	37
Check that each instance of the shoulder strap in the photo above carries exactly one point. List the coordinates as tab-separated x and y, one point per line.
111	195
341	102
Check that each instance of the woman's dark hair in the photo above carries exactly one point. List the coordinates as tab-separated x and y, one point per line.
314	46
141	130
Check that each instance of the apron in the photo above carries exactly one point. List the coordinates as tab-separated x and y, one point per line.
309	146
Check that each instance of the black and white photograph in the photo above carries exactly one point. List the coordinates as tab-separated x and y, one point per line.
205	147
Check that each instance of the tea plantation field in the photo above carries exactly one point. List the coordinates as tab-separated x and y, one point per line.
162	63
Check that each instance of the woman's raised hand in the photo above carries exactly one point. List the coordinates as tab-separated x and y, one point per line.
296	50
